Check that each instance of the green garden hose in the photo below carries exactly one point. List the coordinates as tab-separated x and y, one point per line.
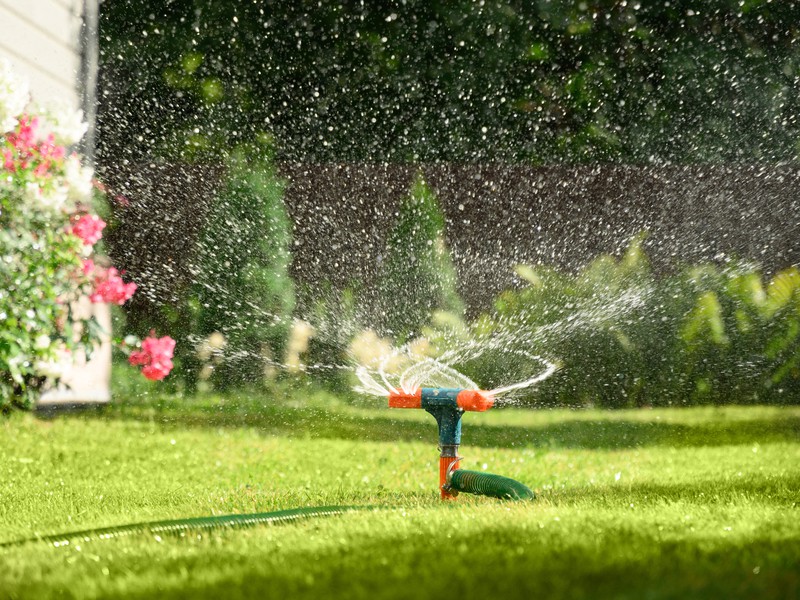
488	484
180	526
458	480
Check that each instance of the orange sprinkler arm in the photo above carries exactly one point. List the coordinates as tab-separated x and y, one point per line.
474	400
400	399
470	400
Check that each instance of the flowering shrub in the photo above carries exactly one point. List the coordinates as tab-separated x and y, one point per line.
155	357
47	239
108	285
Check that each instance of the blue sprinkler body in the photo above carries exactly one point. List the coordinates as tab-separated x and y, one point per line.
442	403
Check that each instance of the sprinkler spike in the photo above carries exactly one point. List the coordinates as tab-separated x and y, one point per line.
447	464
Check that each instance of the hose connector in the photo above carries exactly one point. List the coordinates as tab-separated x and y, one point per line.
486	484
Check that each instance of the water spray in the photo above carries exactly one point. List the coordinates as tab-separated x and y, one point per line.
447	405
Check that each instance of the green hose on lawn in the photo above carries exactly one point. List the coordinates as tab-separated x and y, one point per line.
182	526
488	484
473	482
460	480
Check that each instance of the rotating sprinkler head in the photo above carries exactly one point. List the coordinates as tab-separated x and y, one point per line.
447	405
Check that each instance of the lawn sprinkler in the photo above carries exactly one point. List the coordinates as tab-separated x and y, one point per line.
447	405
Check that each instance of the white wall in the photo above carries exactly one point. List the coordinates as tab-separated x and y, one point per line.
41	38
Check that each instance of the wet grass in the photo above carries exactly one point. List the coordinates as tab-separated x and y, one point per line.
669	503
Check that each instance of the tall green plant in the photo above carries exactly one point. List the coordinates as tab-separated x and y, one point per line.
417	276
334	317
242	286
740	340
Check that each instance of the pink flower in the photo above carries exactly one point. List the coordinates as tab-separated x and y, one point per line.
89	228
8	160
25	149
88	266
25	137
48	149
108	286
155	357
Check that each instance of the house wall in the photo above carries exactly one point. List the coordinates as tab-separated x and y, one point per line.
42	39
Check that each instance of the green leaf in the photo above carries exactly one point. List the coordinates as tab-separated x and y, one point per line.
705	322
529	274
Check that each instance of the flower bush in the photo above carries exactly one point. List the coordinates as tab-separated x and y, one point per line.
47	260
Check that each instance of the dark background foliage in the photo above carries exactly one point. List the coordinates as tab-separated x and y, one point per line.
429	80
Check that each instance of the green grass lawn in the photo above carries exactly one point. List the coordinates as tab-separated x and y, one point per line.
681	503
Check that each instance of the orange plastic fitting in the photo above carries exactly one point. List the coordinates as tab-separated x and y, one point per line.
400	399
444	468
471	400
474	400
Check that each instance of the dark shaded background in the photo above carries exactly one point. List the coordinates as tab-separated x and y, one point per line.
497	216
530	81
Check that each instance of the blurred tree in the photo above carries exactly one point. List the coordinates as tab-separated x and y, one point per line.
417	276
421	80
242	287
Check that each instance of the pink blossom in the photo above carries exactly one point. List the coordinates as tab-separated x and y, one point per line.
109	287
50	149
88	266
26	149
8	160
155	357
88	228
25	137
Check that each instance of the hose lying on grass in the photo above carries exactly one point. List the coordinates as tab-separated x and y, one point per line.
179	526
487	484
472	482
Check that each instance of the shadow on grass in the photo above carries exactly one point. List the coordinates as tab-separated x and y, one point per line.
498	562
759	490
381	427
671	570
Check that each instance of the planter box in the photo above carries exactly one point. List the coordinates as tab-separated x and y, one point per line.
86	382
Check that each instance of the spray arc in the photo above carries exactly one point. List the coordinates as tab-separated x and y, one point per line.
447	405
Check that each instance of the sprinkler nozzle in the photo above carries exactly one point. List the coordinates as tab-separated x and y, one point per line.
400	399
427	398
475	400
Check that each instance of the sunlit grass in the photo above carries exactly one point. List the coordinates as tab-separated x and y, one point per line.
662	503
